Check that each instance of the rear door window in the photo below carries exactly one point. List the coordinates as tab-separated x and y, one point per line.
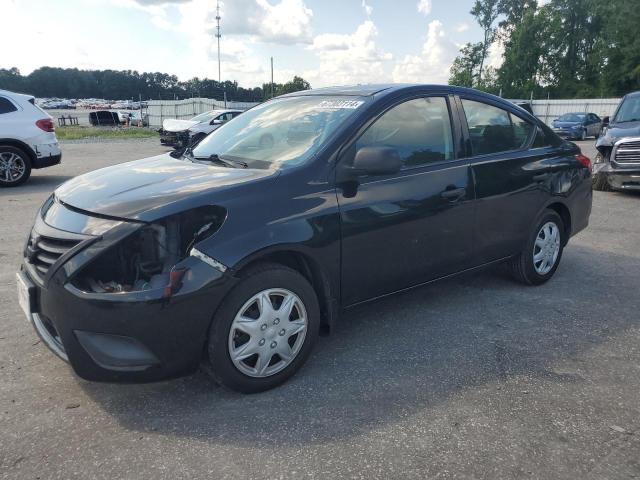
6	106
419	129
494	130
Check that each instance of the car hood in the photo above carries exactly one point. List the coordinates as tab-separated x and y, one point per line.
173	125
154	187
616	131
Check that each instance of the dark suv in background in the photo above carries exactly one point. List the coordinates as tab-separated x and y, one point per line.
617	164
238	250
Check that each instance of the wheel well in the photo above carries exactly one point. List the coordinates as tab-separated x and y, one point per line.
18	144
314	274
565	215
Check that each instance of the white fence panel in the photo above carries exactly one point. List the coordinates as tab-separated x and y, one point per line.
548	110
159	110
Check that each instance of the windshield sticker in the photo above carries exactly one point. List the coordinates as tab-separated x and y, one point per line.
351	104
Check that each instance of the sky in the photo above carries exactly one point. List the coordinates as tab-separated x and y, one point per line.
327	42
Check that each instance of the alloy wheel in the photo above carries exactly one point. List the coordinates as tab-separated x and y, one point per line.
12	167
267	333
546	248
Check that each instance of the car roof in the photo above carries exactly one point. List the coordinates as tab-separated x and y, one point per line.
368	90
19	97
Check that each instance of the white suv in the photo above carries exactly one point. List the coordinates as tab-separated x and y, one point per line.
27	138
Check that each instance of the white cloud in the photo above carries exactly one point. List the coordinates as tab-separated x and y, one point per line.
368	9
424	7
495	55
433	63
244	24
462	27
286	22
348	59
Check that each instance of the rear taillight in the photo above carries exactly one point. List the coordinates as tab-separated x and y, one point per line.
584	160
46	124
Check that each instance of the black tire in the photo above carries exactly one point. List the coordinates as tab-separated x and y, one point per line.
6	151
583	134
522	266
263	277
600	183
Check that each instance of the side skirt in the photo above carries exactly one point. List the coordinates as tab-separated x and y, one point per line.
472	269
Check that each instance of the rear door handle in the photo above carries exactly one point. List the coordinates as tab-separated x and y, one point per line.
453	193
541	177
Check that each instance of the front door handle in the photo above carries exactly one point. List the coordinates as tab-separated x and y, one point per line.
453	194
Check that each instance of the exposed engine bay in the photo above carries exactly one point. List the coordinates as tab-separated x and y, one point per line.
145	260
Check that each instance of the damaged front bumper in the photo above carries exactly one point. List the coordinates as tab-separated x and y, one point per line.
130	336
618	178
174	139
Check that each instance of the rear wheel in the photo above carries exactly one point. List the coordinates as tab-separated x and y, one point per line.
264	330
541	256
15	166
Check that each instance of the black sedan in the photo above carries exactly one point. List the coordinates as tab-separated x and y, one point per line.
235	253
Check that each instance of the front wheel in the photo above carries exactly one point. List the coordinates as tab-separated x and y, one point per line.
541	256
600	183
583	135
264	330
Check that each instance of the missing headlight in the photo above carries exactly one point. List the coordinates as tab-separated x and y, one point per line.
144	260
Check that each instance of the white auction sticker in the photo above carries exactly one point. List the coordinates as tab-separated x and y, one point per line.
352	104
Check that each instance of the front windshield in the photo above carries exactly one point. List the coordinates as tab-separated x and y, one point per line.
282	132
571	117
205	117
629	111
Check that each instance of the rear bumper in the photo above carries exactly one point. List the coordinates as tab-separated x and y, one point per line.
43	162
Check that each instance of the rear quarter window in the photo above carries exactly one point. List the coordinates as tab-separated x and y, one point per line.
493	129
6	106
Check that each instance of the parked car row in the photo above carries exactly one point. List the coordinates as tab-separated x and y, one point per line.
89	103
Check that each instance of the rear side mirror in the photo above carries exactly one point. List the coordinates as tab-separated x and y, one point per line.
605	121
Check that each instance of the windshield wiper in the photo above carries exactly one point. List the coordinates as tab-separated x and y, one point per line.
227	162
630	120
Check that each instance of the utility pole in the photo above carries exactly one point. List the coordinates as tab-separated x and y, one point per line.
218	35
272	87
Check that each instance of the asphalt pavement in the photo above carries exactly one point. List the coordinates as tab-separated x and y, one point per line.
473	377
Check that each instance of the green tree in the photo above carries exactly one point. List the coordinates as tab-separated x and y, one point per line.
486	13
466	67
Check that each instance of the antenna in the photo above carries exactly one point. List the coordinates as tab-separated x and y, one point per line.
218	35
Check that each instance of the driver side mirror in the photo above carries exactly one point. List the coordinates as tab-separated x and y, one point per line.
216	121
605	121
372	161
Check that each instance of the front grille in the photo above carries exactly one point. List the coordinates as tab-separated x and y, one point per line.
42	252
627	152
